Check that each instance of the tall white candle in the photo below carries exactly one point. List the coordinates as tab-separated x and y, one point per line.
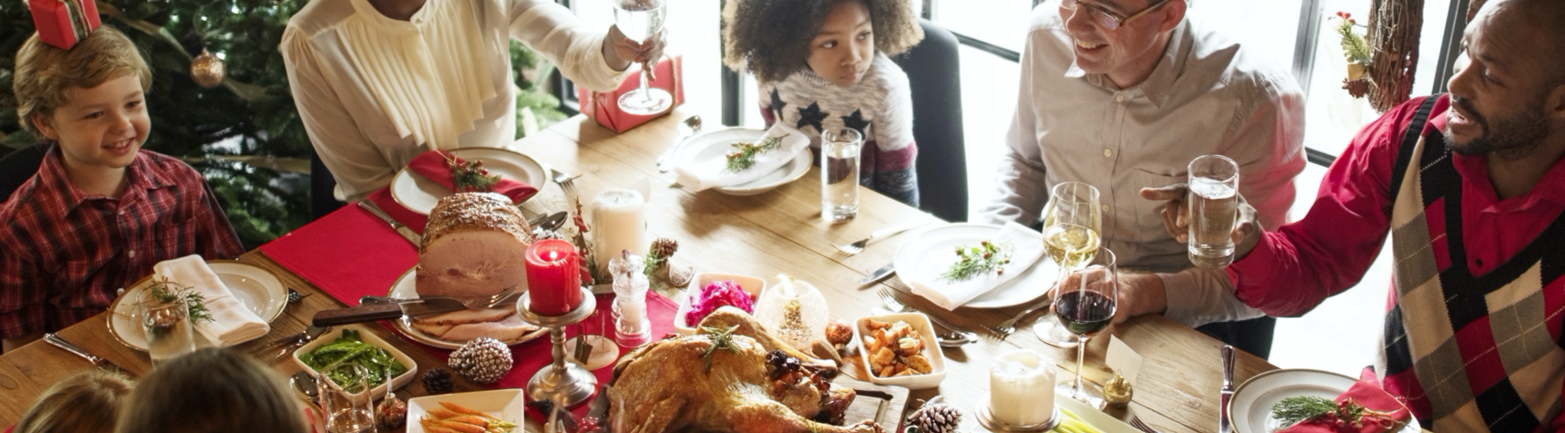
619	223
1021	388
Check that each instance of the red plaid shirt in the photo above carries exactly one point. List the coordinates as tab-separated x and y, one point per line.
63	254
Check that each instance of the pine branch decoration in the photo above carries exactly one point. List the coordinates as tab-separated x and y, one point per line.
743	155
164	291
1294	410
471	176
1353	44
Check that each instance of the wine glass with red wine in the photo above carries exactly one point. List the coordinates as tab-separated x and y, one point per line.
1084	301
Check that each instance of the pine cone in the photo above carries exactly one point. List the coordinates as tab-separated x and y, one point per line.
664	247
935	417
437	381
483	360
1357	88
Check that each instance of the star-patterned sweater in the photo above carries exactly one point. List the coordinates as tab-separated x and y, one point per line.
879	106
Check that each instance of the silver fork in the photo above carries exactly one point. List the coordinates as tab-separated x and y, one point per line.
1006	328
567	183
858	246
1136	422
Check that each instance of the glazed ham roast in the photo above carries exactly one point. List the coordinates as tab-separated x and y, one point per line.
666	387
473	247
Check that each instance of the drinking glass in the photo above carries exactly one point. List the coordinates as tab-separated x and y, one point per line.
640	20
1214	209
347	407
167	327
1084	302
1072	221
840	174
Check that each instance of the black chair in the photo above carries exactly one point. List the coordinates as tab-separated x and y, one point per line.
1254	335
322	198
933	71
19	166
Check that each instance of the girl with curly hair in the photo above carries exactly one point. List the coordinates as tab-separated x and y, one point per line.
822	65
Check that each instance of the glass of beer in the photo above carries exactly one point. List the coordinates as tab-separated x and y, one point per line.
1214	209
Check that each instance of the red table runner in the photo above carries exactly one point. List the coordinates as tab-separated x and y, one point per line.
350	253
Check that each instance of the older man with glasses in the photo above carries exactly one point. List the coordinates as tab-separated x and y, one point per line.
1122	94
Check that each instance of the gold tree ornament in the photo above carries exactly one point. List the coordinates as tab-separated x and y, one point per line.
207	70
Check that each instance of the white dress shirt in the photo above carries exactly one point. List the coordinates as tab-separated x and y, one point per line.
374	92
1207	95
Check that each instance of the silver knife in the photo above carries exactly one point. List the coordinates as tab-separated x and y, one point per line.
100	362
1228	389
403	230
879	274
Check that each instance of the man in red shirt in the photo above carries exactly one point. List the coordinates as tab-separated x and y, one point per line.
1471	189
100	211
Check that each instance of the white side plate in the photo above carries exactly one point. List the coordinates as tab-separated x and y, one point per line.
419	194
1251	407
252	285
716	144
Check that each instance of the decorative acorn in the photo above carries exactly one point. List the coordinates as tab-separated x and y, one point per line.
935	417
392	411
483	360
207	70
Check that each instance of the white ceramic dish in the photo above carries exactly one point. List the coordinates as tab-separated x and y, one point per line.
752	285
1251	407
405	288
419	194
923	258
715	145
252	285
505	404
1090	415
920	322
368	337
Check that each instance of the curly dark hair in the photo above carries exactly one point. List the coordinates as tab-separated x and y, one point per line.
771	38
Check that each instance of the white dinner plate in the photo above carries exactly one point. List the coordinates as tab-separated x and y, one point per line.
419	194
929	253
252	285
706	149
1251	406
405	287
506	404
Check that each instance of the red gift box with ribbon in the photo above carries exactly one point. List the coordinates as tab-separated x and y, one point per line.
603	107
63	23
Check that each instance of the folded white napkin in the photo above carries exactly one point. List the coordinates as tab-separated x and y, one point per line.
699	173
232	322
1026	248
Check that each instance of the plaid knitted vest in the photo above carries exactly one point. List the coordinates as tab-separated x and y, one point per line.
1470	353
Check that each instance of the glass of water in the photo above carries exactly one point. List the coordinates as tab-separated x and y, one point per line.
840	174
347	406
1214	209
167	327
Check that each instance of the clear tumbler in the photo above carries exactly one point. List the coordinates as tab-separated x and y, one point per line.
840	174
1214	209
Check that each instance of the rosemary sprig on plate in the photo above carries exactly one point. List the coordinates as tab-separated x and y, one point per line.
974	261
1293	410
743	155
165	292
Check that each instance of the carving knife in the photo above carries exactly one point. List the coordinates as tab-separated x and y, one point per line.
403	230
393	310
1227	391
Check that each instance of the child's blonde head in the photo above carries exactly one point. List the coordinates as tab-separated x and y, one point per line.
45	72
212	391
87	402
771	38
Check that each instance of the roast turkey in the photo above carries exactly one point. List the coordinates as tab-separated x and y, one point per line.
667	386
474	246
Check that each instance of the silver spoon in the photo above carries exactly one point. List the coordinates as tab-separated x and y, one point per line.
304	382
693	123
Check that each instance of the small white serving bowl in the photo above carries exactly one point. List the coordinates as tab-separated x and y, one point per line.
752	285
925	330
370	338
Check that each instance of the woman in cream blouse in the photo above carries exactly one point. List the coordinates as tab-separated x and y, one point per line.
379	81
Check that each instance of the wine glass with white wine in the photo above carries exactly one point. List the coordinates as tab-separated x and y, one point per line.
641	20
1071	226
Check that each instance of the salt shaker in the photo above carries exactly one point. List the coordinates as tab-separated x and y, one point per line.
631	327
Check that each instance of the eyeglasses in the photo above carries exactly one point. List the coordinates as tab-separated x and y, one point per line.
1106	18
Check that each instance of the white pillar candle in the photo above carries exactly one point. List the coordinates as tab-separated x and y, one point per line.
619	223
1021	388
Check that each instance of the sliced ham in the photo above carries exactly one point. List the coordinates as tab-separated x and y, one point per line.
467	316
474	246
510	328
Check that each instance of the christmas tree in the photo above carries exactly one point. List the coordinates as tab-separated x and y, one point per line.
244	135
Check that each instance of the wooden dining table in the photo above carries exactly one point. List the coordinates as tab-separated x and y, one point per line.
776	232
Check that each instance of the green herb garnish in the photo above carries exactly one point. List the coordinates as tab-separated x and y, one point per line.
722	339
165	292
974	261
743	155
1293	410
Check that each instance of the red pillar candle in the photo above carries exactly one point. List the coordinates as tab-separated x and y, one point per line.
553	280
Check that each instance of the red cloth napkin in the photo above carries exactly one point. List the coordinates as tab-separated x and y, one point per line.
414	220
348	253
432	165
1368	393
